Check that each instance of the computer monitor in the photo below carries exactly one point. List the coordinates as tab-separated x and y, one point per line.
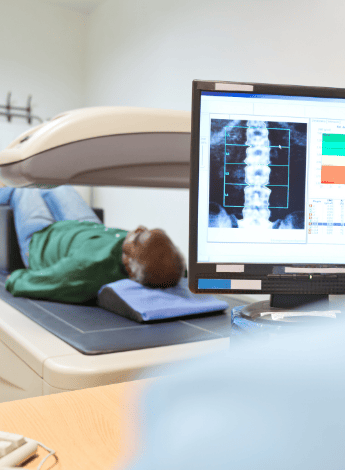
267	191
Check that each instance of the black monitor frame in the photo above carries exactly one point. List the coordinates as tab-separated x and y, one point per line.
329	278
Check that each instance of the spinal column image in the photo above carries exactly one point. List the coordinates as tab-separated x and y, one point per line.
257	174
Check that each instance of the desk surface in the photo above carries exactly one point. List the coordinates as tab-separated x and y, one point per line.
93	428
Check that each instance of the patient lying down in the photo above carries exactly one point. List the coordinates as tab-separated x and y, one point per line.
70	255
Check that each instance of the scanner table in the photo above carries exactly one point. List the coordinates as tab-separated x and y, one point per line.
42	352
48	347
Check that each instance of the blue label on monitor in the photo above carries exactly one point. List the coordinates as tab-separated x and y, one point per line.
214	283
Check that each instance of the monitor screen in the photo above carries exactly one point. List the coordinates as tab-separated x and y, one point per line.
267	202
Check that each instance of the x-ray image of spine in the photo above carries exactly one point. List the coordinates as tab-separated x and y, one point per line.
257	174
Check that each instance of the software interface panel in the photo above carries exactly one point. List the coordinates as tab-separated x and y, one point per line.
271	179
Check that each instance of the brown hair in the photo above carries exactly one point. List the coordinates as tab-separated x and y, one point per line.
165	264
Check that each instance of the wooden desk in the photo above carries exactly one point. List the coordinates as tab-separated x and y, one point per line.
95	428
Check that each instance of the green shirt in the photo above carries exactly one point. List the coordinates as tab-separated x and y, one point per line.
69	261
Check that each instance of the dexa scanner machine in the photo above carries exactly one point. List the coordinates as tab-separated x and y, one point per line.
103	146
48	347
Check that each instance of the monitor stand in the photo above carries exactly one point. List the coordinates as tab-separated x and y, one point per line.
296	305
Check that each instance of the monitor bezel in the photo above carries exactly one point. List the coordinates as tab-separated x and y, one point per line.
197	270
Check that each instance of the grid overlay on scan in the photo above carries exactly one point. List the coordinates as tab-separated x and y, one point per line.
234	169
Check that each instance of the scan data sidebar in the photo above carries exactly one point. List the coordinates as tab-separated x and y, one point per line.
326	201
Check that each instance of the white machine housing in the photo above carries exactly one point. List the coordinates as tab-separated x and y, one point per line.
102	146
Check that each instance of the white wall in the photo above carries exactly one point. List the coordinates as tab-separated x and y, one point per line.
42	53
147	54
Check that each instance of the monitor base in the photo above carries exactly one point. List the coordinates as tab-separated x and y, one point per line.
280	303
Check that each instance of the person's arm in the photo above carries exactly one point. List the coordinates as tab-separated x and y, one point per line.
69	280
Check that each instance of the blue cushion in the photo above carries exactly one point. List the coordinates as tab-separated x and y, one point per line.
132	300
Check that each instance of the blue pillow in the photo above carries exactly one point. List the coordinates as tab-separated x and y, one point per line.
132	300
